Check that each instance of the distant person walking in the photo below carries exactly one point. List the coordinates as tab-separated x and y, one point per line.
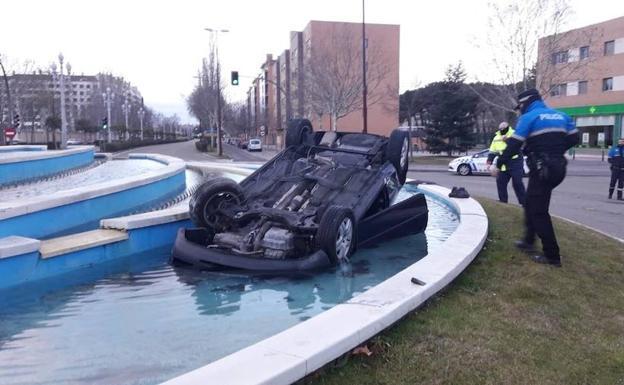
616	159
515	168
546	134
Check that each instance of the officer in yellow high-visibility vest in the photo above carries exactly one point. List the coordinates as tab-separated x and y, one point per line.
515	168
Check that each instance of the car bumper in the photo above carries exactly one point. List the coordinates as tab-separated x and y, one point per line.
188	253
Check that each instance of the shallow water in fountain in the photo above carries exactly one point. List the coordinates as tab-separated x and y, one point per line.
140	321
107	171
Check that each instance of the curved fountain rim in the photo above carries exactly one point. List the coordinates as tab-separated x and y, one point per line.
41	153
29	205
300	350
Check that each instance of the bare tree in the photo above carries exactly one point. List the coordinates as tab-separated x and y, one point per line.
333	76
235	119
202	102
515	29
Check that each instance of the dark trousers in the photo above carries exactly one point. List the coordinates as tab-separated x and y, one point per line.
617	176
537	217
515	171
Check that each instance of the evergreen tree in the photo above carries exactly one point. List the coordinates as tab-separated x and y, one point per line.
451	113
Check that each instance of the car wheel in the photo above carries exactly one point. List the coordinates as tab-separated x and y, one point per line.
464	170
209	198
336	233
297	132
397	152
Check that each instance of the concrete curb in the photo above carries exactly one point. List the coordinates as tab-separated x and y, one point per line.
588	228
16	245
25	147
300	350
29	205
203	167
41	154
176	213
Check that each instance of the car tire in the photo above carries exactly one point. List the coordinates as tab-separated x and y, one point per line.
464	169
397	153
337	233
297	132
207	200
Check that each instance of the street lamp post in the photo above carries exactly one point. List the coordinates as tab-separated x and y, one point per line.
364	87
126	110
141	115
219	139
70	114
61	78
108	97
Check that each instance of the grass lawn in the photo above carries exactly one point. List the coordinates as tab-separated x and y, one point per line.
432	160
507	320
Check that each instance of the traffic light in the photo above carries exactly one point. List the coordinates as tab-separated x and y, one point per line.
16	121
234	78
104	123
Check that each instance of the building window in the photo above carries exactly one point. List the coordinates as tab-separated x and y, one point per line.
582	87
584	52
559	90
607	84
609	47
560	57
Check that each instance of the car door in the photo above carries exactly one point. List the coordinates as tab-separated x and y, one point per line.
479	162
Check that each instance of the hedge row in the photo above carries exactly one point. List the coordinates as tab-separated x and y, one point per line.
125	145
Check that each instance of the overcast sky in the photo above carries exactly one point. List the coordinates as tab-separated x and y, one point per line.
158	45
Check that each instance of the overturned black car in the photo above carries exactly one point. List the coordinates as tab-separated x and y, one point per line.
309	207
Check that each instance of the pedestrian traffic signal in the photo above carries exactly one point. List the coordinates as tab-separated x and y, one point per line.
234	78
104	123
16	121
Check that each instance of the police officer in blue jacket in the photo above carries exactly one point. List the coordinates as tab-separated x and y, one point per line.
546	134
616	159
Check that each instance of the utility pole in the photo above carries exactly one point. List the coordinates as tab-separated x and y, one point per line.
364	88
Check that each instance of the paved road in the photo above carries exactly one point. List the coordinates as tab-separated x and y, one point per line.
239	155
582	197
183	150
187	151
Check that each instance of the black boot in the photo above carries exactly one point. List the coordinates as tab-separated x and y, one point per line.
611	193
619	195
556	262
525	246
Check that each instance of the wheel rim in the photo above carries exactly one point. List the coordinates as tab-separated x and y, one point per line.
463	170
404	149
214	203
344	238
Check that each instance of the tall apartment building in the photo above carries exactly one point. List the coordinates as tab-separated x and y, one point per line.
582	73
284	88
37	95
